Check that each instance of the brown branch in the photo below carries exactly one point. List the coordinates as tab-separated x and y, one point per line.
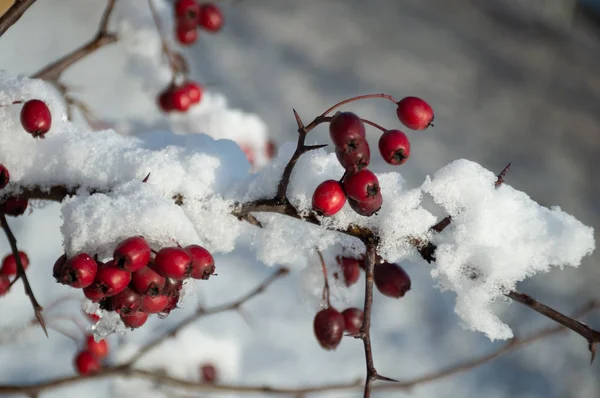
13	14
326	295
37	308
365	330
54	70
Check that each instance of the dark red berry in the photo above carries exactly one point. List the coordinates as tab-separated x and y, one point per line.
126	302
186	35
154	305
36	118
111	280
210	17
414	113
4	285
194	92
14	206
354	157
208	372
328	198
186	12
93	293
147	281
361	186
165	101
4	176
98	349
353	319
329	328
368	207
78	272
394	147
180	99
9	264
173	262
172	287
132	254
171	305
346	128
86	363
350	268
134	320
391	280
203	263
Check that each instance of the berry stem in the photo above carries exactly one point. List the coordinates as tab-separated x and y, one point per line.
326	295
163	38
358	98
12	103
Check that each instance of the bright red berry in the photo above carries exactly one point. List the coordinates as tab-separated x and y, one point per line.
36	118
126	302
391	280
394	147
132	254
354	157
361	186
98	349
194	92
186	35
134	320
14	206
186	12
329	328
111	280
208	372
147	281
4	176
165	101
328	198
78	272
353	319
181	100
203	263
92	317
414	113
4	285
346	128
86	363
210	17
154	305
9	264
173	262
368	207
350	268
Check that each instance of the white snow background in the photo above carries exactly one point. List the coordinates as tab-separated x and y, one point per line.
262	66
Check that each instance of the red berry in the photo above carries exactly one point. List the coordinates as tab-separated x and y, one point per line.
147	281
14	206
391	280
86	363
270	149
194	92
132	254
181	100
78	272
354	157
173	262
134	320
346	128
98	349
394	147
353	319
36	118
328	198
203	263
368	207
210	17
126	302
4	176
165	101
186	12
361	186
9	264
93	293
329	328
92	317
154	305
171	305
111	280
185	34
208	372
414	113
172	287
4	284
350	268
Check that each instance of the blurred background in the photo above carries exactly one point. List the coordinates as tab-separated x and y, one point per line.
510	81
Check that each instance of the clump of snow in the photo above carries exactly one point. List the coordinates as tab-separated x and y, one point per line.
497	238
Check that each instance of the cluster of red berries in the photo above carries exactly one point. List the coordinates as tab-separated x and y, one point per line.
329	324
190	15
359	186
180	97
8	269
89	360
13	205
137	282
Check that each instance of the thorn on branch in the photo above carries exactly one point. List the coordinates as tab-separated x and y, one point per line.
500	179
298	120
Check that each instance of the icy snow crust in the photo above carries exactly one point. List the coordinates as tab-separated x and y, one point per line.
497	237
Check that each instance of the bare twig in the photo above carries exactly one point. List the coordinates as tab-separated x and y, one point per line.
326	295
176	62
37	308
13	14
